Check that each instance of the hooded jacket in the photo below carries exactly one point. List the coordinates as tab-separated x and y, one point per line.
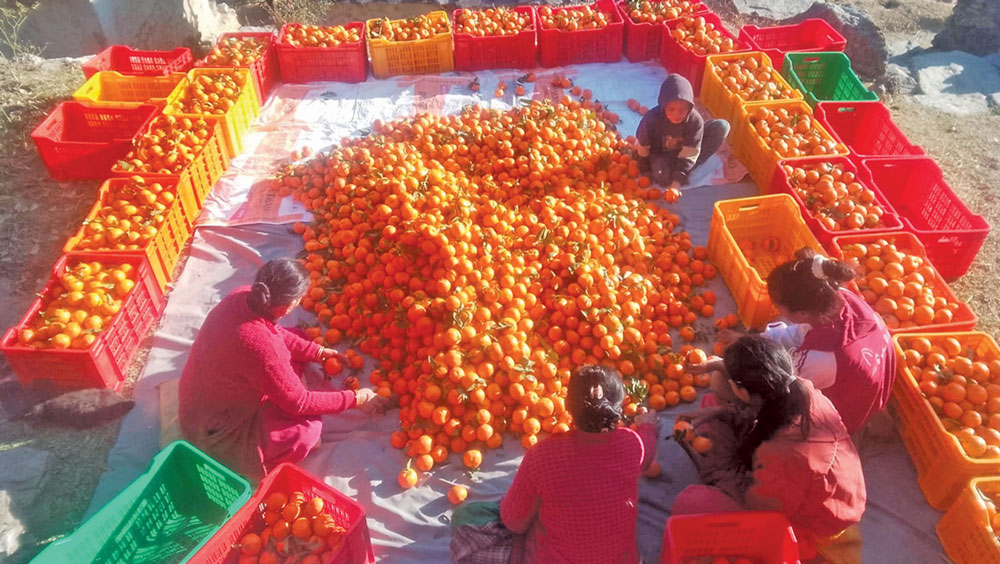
680	140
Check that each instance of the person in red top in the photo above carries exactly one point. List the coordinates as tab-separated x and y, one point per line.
839	342
798	455
241	398
574	499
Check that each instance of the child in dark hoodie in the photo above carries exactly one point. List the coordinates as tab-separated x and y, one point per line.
673	139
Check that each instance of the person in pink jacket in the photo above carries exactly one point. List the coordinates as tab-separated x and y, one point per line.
241	397
794	450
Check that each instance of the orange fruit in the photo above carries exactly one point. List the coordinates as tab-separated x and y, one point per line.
472	459
407	478
701	444
250	544
457	494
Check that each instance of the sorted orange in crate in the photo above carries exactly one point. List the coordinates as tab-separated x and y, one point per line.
734	79
968	531
250	50
191	148
702	36
325	36
579	34
784	129
574	18
136	214
902	285
750	237
311	53
492	22
642	18
420	45
112	89
83	329
494	38
220	92
947	396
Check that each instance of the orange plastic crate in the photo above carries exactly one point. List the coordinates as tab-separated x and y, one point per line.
964	319
105	363
206	169
421	56
965	531
943	468
112	89
760	219
236	121
751	150
718	99
164	248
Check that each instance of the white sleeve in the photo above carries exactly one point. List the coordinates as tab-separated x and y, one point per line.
788	336
819	367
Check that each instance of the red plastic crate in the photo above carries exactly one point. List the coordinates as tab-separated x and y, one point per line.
678	60
811	35
930	209
346	63
126	60
866	128
264	70
506	52
558	48
104	363
964	318
758	535
80	142
356	547
644	40
781	184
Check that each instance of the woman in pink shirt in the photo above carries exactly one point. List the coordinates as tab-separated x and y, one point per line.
575	497
797	456
241	397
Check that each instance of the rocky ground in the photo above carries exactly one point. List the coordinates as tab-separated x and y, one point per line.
947	102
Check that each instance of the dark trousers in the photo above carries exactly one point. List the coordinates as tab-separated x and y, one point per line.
661	165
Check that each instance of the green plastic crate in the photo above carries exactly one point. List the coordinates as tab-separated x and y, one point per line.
825	77
163	517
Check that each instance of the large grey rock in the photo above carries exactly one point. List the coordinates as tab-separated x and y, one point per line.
865	41
772	9
957	82
973	26
11	528
897	80
72	28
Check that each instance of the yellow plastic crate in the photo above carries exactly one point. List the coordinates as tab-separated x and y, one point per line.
943	468
719	100
751	150
422	56
766	221
112	89
237	120
164	248
965	531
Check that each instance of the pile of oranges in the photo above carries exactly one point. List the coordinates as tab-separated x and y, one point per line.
835	197
962	387
132	213
237	51
491	22
702	37
902	287
213	92
481	257
295	531
79	307
645	11
791	132
412	29
752	81
573	19
326	36
171	144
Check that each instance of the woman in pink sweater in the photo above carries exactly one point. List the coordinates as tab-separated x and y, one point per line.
241	397
575	496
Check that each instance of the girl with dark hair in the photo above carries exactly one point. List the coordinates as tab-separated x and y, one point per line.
798	455
575	496
241	396
838	341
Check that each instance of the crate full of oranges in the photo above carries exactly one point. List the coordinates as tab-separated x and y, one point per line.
970	530
87	322
494	38
314	53
947	399
573	35
646	20
226	93
249	50
419	45
688	41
